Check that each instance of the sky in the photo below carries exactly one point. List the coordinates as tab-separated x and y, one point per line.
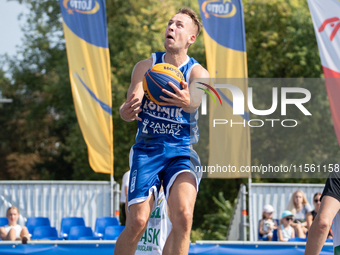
11	33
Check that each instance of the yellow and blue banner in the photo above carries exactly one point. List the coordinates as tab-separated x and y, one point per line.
85	30
225	46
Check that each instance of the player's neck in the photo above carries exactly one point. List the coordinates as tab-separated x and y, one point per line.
175	59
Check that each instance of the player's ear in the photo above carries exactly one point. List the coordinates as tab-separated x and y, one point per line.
192	39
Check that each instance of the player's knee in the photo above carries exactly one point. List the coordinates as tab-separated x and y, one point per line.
183	220
323	224
138	223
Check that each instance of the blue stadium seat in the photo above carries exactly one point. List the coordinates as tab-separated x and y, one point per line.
297	239
112	232
33	222
102	223
67	223
45	232
81	233
3	221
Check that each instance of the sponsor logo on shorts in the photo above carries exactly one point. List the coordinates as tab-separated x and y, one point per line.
133	181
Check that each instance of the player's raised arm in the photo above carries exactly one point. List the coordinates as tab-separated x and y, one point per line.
131	107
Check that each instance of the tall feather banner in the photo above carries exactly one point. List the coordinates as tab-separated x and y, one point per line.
224	39
84	23
326	21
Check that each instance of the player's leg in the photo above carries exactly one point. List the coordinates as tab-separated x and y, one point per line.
319	229
181	201
143	183
135	226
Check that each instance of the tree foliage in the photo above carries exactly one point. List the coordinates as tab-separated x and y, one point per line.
215	225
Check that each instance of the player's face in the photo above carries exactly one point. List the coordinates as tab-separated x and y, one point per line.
180	33
298	198
12	216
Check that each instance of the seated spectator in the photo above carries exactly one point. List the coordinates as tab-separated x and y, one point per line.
285	231
317	203
267	224
13	231
302	211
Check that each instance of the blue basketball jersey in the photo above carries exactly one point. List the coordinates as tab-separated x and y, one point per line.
169	124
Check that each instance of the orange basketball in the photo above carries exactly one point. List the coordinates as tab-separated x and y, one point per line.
157	78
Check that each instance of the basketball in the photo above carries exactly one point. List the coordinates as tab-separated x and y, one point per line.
157	78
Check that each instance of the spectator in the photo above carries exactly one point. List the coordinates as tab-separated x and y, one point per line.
302	211
123	195
285	231
317	203
267	224
13	231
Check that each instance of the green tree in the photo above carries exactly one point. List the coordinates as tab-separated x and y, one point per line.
41	124
215	225
280	39
281	43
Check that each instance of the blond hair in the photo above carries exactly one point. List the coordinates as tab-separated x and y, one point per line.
292	206
10	208
192	14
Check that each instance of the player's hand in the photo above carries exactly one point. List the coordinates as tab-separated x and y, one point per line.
130	109
181	98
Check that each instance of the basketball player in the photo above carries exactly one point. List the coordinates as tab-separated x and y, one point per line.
328	212
162	153
158	229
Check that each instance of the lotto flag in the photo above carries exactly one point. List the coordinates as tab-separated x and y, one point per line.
85	32
225	46
326	21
